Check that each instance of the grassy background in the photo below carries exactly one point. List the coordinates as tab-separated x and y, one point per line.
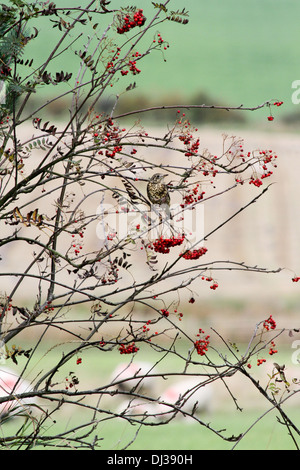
96	367
234	52
266	434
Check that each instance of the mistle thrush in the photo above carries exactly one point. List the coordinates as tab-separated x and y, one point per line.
158	193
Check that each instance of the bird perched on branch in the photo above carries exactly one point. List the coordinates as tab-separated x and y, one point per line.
158	193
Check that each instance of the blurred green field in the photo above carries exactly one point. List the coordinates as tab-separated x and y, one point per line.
265	434
235	52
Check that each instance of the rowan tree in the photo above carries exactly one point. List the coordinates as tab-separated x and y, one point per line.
103	271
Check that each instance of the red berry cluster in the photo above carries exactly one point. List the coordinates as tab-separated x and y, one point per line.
272	350
192	145
209	170
7	119
163	245
129	22
237	150
192	196
130	349
114	151
109	132
239	180
267	155
269	323
79	361
264	158
49	307
9	305
266	175
276	103
112	274
296	279
78	246
209	279
160	41
214	286
257	182
72	381
110	66
194	254
5	70
165	312
111	236
193	148
260	361
132	65
133	68
146	327
201	345
109	135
